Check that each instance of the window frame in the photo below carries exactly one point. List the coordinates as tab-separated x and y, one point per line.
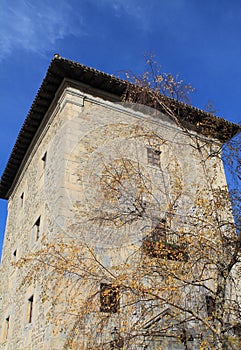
153	156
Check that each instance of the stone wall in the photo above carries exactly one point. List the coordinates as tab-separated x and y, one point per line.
61	180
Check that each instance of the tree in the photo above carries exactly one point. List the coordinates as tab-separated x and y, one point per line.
162	260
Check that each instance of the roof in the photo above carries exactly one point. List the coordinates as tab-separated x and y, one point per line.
60	69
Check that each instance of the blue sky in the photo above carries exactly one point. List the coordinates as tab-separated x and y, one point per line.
199	39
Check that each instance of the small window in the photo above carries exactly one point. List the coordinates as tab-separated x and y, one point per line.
6	328
44	159
36	229
22	198
109	298
210	303
237	330
15	255
153	156
29	314
160	231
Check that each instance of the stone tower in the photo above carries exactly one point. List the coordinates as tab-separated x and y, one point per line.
89	171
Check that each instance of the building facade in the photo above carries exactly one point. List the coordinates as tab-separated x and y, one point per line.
100	194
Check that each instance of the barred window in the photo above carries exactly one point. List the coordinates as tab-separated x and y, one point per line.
109	298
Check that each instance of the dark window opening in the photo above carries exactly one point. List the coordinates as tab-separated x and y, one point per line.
22	198
37	229
15	254
109	298
159	232
29	317
44	158
210	303
6	330
237	330
153	156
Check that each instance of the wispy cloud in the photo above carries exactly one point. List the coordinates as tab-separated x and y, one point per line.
147	13
133	8
35	25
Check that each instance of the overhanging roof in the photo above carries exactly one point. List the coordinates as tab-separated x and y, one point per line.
61	68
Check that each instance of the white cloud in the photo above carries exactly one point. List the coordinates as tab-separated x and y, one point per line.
35	25
38	25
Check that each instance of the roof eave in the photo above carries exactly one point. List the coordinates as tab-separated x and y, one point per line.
59	69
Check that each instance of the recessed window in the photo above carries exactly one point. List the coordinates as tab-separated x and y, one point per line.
44	159
153	156
210	303
237	330
22	198
29	313
36	229
6	328
109	298
160	231
15	255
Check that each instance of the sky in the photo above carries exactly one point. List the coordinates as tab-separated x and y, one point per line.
198	39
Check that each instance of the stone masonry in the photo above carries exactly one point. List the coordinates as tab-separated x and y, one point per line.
83	130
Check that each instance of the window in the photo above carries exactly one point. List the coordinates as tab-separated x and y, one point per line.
15	255
29	313
109	298
237	330
44	158
153	156
159	231
22	198
6	328
210	303
36	229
